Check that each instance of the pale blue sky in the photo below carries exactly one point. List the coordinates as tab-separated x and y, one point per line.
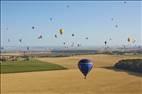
90	19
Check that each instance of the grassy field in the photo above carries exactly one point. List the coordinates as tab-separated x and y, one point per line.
99	81
28	66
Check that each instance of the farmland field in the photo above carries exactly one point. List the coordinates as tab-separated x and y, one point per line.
99	81
27	66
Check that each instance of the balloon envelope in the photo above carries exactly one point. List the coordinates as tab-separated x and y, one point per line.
73	35
129	40
61	31
86	38
85	66
20	40
40	37
105	42
33	27
55	36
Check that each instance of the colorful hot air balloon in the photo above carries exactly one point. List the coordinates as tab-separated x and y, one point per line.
85	66
61	31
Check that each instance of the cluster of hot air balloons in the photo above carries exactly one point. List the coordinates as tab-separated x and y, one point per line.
58	34
84	65
130	40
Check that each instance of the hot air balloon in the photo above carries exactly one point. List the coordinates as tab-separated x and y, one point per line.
112	19
86	38
40	37
55	36
51	19
8	40
78	45
105	42
85	66
129	40
68	6
20	40
116	26
61	31
28	47
33	27
73	35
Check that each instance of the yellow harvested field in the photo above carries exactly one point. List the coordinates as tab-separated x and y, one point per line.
98	60
99	80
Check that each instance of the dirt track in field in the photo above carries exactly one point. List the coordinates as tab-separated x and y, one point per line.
99	80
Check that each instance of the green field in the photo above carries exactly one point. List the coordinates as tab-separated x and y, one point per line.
28	66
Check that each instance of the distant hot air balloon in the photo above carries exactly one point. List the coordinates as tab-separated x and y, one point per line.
116	26
129	40
33	27
112	19
28	47
73	35
68	6
105	42
40	37
51	18
78	45
55	36
86	38
20	40
64	43
8	40
61	31
85	66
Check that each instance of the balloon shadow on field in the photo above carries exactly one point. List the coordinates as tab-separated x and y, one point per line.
121	70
